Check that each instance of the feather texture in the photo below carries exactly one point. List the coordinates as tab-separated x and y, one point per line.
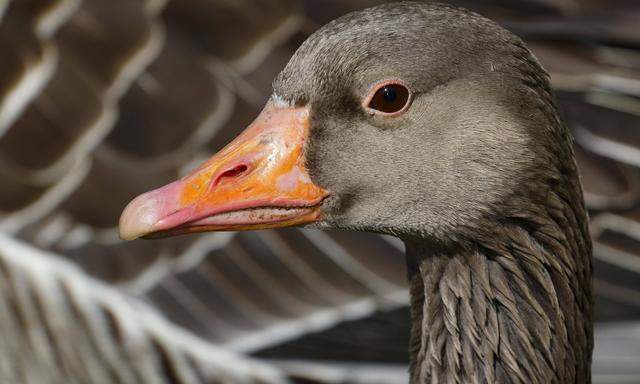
102	100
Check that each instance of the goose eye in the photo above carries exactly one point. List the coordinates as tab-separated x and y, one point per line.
390	98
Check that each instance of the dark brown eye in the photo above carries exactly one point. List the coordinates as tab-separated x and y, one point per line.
390	98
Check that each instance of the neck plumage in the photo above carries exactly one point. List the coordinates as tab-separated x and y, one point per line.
514	306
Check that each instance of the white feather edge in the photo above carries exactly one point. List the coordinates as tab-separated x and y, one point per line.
33	80
137	320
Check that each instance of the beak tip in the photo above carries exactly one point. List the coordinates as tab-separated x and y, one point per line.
138	218
127	233
125	236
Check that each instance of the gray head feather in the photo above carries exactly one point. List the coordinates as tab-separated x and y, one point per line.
477	176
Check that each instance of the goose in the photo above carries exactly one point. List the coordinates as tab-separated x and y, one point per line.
435	125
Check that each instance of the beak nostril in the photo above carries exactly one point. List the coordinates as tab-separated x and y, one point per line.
231	173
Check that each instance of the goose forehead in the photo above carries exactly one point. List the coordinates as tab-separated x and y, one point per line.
413	41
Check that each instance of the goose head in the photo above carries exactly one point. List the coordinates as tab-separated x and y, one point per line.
435	125
410	119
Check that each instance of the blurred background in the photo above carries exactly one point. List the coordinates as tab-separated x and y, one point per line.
103	100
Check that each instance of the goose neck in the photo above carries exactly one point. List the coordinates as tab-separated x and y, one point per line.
509	311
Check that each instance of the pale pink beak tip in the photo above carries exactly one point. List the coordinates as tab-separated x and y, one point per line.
139	217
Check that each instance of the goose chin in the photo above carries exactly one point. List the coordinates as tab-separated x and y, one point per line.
245	219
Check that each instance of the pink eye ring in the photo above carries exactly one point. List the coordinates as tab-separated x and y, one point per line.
389	98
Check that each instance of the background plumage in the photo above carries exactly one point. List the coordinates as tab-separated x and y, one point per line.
103	100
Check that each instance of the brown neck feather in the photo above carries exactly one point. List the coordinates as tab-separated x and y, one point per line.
514	307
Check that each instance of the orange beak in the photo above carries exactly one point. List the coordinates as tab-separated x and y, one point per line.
257	181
